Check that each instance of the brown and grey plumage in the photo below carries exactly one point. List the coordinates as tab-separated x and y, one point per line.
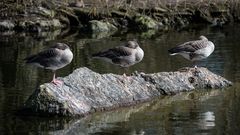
124	56
53	58
194	50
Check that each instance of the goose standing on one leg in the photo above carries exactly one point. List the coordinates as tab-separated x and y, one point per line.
54	58
194	50
124	56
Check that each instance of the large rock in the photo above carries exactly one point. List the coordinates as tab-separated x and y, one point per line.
85	91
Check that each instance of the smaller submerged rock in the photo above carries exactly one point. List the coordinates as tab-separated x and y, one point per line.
85	91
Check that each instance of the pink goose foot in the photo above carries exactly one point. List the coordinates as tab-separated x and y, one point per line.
127	78
57	82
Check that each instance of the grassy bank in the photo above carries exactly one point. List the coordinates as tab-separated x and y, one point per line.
43	15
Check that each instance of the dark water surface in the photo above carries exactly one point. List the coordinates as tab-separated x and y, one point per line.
199	112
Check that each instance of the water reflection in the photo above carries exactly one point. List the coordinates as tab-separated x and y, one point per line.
206	120
215	112
186	113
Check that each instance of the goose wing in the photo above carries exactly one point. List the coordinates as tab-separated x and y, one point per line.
44	58
189	47
113	53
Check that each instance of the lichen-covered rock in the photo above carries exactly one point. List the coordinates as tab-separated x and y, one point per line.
39	24
146	22
85	91
54	23
100	26
43	12
6	25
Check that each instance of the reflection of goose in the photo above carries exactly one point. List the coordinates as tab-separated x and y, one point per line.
194	50
124	56
54	58
206	120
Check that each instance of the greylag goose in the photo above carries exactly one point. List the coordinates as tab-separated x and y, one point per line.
194	50
53	58
124	56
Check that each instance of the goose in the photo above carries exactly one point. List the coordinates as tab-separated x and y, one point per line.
124	56
57	56
194	50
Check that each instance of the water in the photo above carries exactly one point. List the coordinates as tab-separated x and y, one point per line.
199	112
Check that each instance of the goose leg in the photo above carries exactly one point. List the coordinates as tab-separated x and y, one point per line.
195	64
128	78
55	81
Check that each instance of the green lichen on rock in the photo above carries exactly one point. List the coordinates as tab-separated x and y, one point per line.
54	23
100	26
146	22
